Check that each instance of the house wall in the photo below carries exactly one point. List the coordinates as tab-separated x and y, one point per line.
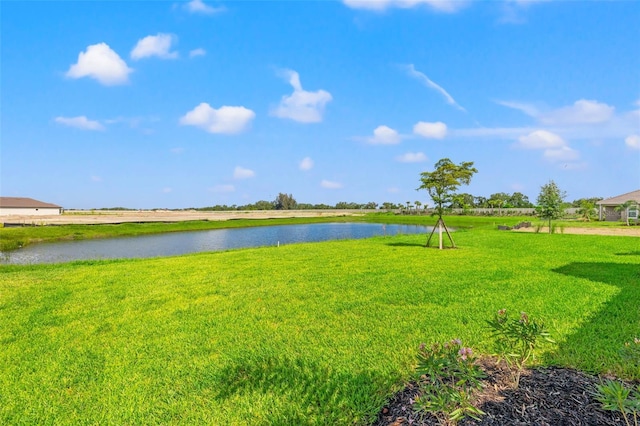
40	211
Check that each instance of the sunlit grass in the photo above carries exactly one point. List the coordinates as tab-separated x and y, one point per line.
318	333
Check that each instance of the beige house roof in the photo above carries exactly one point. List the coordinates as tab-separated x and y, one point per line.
616	201
22	202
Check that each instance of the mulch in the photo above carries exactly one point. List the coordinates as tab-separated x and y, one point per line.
545	397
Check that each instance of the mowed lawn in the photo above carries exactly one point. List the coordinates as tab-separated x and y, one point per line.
318	333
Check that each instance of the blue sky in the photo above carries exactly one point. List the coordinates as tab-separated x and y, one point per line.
192	104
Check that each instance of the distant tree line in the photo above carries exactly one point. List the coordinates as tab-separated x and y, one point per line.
463	201
287	202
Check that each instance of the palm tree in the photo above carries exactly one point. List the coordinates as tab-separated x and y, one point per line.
587	210
624	207
418	204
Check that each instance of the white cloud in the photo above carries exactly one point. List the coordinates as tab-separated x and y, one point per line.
581	112
157	45
166	190
383	135
412	157
242	173
491	132
437	130
306	164
563	153
330	185
101	63
198	6
528	109
554	148
223	188
541	139
178	150
448	6
80	122
393	190
633	141
226	119
301	105
197	52
512	12
411	70
95	178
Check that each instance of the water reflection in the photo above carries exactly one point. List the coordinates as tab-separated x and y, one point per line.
176	243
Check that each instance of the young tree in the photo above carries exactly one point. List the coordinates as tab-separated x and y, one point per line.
441	185
550	202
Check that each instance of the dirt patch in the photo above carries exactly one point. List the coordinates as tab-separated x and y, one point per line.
544	397
112	217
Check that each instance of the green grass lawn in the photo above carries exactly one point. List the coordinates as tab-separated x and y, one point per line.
317	333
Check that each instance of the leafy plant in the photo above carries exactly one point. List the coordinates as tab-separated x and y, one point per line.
517	339
614	396
448	376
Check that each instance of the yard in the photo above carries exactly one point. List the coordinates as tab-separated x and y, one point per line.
317	333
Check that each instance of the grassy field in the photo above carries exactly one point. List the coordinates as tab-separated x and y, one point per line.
317	333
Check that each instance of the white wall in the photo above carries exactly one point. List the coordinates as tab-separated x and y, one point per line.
40	211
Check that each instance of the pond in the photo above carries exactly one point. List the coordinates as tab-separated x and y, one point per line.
176	243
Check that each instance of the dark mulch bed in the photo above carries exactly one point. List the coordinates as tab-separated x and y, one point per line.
544	397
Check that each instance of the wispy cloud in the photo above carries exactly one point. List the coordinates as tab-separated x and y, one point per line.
199	6
528	109
513	11
242	173
223	188
412	157
632	141
81	122
302	106
447	6
330	184
306	164
101	63
411	71
197	52
583	111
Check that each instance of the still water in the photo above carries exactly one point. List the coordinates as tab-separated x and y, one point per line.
176	243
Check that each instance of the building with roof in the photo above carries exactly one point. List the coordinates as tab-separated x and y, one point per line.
608	209
21	206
